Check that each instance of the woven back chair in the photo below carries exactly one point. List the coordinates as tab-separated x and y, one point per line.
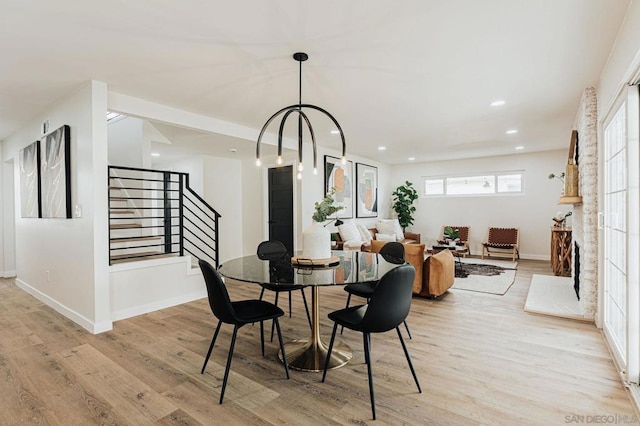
503	241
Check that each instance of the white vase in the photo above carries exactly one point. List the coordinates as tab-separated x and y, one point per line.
316	242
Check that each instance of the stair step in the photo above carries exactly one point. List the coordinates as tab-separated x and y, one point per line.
115	259
134	239
125	225
112	211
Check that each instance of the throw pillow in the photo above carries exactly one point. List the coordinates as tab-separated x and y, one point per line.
385	237
348	232
365	235
390	226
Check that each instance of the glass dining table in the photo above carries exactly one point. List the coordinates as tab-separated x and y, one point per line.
350	267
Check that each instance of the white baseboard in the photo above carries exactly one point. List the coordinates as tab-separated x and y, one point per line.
535	256
8	274
156	306
74	316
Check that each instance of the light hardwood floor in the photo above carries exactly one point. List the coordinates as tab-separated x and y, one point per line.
479	357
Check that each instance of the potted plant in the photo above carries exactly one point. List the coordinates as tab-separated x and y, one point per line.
316	239
403	198
451	234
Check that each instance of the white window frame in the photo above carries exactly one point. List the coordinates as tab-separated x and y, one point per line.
495	176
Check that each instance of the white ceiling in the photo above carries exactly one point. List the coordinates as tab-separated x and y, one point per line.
414	75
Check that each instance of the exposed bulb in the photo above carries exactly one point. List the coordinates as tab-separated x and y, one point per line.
279	160
299	176
300	167
344	160
258	162
315	170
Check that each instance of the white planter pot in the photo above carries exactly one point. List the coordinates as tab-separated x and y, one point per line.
316	242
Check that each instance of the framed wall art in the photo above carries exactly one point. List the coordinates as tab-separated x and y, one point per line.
366	190
30	181
340	177
55	174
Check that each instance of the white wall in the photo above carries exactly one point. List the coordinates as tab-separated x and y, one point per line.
223	191
126	142
531	212
252	207
69	248
623	61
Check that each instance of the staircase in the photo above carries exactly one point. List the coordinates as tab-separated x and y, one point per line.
155	214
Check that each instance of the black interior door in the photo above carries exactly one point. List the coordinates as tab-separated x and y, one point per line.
281	205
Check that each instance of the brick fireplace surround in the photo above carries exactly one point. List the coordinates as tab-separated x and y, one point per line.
585	215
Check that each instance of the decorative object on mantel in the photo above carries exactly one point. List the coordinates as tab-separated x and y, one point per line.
403	198
316	239
560	177
560	219
298	108
571	195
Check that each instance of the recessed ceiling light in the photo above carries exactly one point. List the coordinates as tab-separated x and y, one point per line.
335	132
155	154
382	148
412	158
497	103
519	147
512	132
233	150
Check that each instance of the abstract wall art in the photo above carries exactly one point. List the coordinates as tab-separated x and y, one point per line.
29	164
55	174
367	190
340	177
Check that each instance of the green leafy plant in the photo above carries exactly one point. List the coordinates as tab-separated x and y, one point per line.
451	233
403	198
325	208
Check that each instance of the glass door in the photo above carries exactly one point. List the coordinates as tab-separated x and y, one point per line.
620	231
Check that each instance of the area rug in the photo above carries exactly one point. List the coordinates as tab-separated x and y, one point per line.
485	276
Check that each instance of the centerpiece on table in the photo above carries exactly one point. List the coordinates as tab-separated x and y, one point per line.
316	239
452	235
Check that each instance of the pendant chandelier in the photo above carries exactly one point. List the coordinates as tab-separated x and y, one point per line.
298	108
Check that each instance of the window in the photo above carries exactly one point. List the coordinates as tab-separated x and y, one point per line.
482	184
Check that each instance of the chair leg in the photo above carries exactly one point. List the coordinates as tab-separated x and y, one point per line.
213	341
326	361
289	304
406	354
407	327
226	371
367	358
261	293
273	323
306	307
262	336
346	306
284	354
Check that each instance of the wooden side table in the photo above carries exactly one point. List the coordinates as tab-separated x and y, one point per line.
561	251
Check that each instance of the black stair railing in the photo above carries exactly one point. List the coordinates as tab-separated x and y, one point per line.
155	213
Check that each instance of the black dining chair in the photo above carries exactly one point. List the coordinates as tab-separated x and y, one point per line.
387	308
275	252
237	313
392	252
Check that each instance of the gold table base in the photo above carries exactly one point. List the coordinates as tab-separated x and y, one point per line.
304	355
310	354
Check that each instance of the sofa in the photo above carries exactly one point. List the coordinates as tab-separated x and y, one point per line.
434	275
357	237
